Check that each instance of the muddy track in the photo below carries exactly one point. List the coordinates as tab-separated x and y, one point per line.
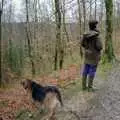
103	104
107	105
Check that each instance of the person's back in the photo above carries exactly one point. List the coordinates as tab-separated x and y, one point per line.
92	46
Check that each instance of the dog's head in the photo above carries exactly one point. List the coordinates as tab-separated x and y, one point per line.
27	84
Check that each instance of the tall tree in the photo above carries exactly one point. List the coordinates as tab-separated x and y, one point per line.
80	25
84	13
101	14
109	52
58	48
64	20
90	17
95	9
1	11
118	14
29	39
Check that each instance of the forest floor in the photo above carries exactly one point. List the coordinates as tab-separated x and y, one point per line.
103	104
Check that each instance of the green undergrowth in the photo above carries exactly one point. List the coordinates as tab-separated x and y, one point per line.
104	69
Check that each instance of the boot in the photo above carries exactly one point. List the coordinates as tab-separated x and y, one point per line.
84	80
90	83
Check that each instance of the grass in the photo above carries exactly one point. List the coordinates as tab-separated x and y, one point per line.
103	69
73	89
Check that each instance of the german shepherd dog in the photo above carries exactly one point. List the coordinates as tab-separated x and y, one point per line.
46	96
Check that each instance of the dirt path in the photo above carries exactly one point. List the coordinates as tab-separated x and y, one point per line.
107	105
103	104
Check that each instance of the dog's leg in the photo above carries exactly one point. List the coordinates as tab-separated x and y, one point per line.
52	108
42	109
51	104
34	103
37	105
52	116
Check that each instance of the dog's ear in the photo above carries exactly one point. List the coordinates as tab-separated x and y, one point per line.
28	84
22	82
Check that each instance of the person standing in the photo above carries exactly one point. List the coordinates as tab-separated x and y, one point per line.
92	52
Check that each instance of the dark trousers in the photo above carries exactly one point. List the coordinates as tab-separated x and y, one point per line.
90	71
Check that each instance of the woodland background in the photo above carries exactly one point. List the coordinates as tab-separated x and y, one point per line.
43	36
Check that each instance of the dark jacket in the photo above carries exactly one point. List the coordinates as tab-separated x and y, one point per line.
92	46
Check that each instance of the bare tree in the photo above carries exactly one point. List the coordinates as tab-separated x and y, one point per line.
90	10
64	21
95	9
101	13
58	36
28	39
118	13
80	24
1	11
84	13
109	52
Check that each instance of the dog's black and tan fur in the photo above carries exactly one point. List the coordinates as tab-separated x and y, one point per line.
47	96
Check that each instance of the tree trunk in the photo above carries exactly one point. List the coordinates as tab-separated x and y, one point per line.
101	14
109	52
90	17
84	13
1	11
95	9
58	36
56	58
80	25
64	22
0	48
118	14
28	40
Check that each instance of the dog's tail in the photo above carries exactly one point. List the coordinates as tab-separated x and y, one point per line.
59	96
